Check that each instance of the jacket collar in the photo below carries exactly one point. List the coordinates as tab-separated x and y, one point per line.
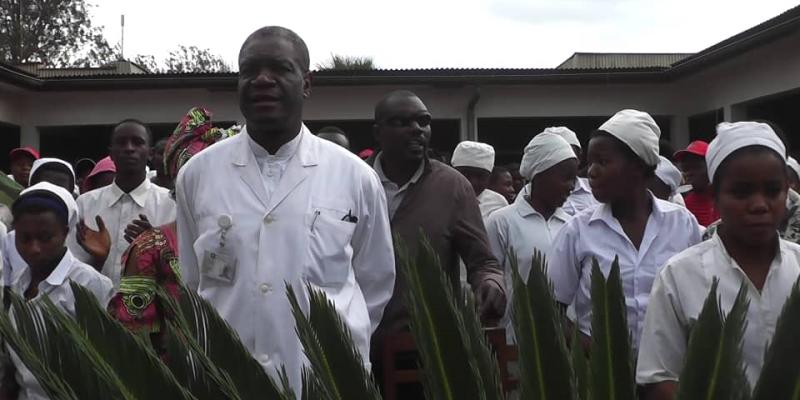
307	151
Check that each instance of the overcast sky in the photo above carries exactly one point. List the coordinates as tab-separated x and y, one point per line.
437	33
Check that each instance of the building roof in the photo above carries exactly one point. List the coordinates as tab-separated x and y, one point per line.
621	60
581	67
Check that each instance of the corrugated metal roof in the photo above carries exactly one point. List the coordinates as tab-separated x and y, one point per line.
122	67
621	60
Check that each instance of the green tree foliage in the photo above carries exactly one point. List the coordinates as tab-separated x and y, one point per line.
340	62
57	33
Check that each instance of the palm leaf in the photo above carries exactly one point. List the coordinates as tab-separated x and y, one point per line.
449	370
133	359
335	361
194	370
580	366
713	367
9	190
488	368
780	376
199	323
611	362
57	352
544	365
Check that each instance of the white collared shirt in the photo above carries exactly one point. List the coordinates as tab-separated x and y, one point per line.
595	233
490	201
678	296
118	209
56	287
395	193
519	227
581	198
272	166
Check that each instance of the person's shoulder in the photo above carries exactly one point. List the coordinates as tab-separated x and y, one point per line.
159	190
445	174
671	210
502	214
339	156
85	275
791	249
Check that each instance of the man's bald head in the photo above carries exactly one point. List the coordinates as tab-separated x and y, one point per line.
383	106
279	32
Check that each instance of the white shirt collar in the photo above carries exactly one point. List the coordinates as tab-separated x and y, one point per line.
286	151
582	184
22	276
384	179
525	209
603	211
139	194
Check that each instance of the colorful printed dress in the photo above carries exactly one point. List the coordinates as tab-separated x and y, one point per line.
150	261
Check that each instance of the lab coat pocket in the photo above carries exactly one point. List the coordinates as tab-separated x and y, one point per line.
330	250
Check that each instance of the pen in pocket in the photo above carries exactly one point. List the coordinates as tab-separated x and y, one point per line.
314	220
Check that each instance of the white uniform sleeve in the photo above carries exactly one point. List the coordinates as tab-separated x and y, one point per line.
496	233
373	251
187	233
564	267
665	336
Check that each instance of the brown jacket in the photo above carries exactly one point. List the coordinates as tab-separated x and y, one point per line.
443	205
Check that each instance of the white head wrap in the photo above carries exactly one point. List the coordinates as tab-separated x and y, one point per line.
794	165
63	194
44	161
669	174
542	152
638	130
732	136
565	133
473	154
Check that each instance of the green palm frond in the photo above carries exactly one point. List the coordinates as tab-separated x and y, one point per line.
133	359
335	360
202	327
713	367
57	352
312	389
611	373
580	366
449	370
9	190
194	370
780	376
488	368
544	365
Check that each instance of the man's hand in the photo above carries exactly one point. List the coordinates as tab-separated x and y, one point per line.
491	302
96	243
135	228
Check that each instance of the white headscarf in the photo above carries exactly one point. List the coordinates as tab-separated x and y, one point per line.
794	165
63	194
473	154
732	136
637	130
566	133
44	161
669	174
542	152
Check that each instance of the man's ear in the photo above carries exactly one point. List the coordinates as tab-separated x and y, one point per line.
307	80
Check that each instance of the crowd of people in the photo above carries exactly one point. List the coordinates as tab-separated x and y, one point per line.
236	213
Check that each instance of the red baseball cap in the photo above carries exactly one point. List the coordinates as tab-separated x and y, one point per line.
24	150
698	148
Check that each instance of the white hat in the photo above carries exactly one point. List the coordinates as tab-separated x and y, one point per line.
63	194
542	152
566	133
639	131
473	154
669	174
44	161
794	165
732	136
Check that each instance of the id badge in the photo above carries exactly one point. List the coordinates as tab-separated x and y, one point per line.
219	265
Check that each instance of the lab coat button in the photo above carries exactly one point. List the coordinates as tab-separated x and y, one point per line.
266	287
268	219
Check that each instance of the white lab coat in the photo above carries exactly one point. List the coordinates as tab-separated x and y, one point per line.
297	234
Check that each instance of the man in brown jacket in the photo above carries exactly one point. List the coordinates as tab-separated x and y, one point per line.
427	195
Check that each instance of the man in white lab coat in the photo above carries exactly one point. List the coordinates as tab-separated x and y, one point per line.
277	204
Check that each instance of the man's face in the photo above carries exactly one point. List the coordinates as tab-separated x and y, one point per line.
272	84
157	157
477	177
694	171
21	168
404	130
130	148
504	184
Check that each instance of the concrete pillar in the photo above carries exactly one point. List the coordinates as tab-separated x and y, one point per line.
463	129
734	112
29	136
679	131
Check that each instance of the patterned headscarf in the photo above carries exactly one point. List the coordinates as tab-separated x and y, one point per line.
193	134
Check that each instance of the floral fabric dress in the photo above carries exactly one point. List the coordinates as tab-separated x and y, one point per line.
150	262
